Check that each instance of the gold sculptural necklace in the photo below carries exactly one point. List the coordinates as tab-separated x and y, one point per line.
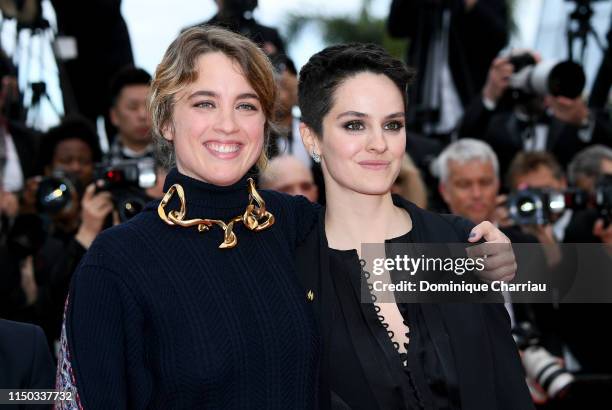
255	216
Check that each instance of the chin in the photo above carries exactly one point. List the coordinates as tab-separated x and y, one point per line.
225	180
371	188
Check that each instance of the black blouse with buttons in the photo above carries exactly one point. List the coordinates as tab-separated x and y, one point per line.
367	371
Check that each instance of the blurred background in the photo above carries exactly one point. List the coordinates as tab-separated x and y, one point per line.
306	25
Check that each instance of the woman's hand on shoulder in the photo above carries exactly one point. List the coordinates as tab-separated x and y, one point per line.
500	262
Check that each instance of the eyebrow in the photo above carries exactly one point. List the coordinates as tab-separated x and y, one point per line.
207	93
363	115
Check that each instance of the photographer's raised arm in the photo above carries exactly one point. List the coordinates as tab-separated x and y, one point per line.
479	113
95	207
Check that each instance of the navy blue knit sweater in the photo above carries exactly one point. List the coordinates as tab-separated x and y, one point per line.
159	317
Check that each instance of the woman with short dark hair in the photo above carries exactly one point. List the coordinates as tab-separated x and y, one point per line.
390	355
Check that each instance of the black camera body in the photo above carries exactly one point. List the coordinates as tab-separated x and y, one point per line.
126	181
542	206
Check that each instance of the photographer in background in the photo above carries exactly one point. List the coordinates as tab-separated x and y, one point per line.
61	214
469	184
512	116
237	16
18	144
587	346
539	170
452	44
129	114
18	147
603	81
99	46
590	170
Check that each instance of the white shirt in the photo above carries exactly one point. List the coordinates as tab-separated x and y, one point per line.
12	176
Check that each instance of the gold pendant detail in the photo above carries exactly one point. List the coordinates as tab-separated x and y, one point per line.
255	216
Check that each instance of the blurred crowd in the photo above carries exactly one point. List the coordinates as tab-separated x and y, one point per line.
492	135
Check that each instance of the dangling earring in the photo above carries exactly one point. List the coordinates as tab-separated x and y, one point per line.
315	157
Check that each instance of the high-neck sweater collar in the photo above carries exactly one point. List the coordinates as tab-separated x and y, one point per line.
200	196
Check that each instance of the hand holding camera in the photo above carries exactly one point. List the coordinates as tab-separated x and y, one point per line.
95	207
498	79
572	111
603	231
28	196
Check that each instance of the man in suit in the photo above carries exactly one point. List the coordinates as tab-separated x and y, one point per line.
601	87
102	45
25	360
452	44
237	16
558	125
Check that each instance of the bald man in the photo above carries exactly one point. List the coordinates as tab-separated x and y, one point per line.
288	174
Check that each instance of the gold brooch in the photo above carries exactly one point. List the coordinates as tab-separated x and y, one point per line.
255	217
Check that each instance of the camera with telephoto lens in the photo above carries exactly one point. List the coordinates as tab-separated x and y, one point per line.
542	206
126	181
556	78
539	364
56	193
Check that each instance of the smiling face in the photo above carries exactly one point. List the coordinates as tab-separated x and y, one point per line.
363	139
217	124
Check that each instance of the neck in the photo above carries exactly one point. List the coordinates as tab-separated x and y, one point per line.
352	218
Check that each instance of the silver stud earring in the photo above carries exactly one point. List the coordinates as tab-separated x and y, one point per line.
316	157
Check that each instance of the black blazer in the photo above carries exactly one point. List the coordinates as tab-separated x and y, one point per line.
475	38
25	360
473	341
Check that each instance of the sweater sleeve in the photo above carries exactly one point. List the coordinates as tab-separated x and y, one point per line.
102	359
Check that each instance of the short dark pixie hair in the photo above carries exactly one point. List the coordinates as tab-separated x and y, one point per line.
125	77
326	70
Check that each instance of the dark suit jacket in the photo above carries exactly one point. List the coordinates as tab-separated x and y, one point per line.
502	130
25	360
251	29
475	38
601	86
473	341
